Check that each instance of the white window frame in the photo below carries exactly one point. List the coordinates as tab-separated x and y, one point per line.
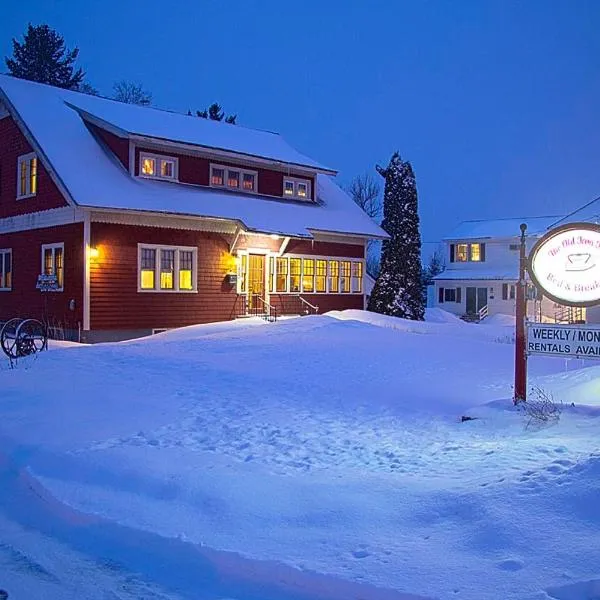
239	170
3	253
54	247
303	257
295	181
27	158
158	158
175	290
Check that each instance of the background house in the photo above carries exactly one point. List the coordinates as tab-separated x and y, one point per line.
482	265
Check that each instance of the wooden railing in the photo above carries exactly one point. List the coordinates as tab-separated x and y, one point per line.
568	314
483	312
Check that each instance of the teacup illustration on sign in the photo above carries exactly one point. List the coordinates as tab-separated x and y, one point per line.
579	261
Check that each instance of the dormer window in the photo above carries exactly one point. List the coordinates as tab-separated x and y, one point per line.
233	178
155	166
296	188
474	252
27	175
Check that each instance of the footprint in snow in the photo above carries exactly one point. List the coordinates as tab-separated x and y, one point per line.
510	564
362	553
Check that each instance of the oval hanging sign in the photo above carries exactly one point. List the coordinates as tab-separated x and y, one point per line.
565	264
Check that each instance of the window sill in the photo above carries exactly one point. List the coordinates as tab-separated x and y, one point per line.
156	178
227	188
56	291
5	289
141	291
26	196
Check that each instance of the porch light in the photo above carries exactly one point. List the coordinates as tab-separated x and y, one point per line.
94	253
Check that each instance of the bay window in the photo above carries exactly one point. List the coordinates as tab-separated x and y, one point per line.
166	268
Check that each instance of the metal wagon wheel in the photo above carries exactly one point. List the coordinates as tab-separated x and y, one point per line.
31	337
8	338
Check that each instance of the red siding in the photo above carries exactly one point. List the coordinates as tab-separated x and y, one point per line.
119	146
24	300
115	301
196	170
325	249
12	145
287	304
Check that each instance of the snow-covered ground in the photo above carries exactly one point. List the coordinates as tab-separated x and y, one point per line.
316	458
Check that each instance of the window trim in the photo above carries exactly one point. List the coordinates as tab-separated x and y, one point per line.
3	253
157	267
295	181
27	158
157	158
54	246
454	252
241	170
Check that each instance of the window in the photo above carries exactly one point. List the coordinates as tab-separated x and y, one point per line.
345	276
295	268
296	188
449	295
166	268
233	178
308	275
464	252
155	166
334	276
321	276
53	263
27	175
242	270
357	269
509	291
475	252
282	273
5	270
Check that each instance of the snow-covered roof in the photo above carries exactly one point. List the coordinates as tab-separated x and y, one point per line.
501	228
474	274
93	177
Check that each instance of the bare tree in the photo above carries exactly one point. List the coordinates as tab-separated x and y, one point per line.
365	191
131	93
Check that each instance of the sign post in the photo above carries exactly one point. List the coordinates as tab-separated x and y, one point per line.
521	314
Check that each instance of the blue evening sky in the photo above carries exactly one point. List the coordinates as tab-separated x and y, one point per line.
495	103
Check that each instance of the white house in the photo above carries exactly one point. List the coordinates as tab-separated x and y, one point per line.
482	266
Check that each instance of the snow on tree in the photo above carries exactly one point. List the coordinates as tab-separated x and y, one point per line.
397	291
131	93
43	57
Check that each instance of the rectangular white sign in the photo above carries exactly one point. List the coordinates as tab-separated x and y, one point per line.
576	341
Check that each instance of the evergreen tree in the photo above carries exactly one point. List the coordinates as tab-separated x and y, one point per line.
43	57
215	113
397	291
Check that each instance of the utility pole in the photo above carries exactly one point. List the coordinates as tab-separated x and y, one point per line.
521	314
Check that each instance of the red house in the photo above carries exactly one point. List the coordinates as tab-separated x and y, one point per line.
150	219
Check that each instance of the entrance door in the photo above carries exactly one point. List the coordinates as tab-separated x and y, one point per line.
476	299
471	300
256	279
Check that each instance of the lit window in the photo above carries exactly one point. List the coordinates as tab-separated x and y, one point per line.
242	272
27	175
288	188
308	275
148	166
147	268
296	188
345	276
167	169
334	273
271	274
233	179
282	273
301	190
5	270
357	269
295	270
186	264
166	269
248	182
156	166
475	252
53	263
321	276
217	176
462	252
